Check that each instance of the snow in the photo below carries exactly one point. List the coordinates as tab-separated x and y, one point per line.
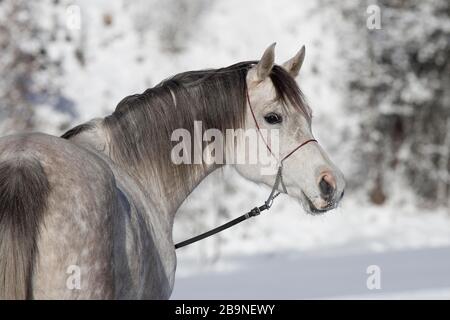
406	274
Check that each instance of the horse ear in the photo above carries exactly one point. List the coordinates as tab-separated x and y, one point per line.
265	65
294	64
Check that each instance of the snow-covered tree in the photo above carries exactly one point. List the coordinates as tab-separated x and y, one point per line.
398	82
30	66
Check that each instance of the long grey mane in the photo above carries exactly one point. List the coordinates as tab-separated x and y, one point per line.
141	126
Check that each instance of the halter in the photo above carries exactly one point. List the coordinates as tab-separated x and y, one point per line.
267	204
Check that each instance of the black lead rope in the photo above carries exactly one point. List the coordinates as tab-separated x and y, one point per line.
252	213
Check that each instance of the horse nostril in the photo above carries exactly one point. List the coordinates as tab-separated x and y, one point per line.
327	186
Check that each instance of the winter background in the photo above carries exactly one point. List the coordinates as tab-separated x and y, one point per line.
381	102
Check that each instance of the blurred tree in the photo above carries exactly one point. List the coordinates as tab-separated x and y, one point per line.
30	69
173	20
399	82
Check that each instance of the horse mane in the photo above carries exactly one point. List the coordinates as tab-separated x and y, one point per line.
140	128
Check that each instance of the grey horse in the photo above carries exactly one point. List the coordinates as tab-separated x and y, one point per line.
89	215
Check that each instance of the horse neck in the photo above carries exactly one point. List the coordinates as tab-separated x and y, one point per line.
158	188
168	197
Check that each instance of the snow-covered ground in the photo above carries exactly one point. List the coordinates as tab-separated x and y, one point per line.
406	274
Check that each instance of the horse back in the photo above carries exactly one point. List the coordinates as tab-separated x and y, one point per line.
58	201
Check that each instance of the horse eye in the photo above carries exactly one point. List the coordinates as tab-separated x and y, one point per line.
273	118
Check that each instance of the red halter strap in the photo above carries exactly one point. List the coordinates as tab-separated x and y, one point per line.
265	142
301	145
257	126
